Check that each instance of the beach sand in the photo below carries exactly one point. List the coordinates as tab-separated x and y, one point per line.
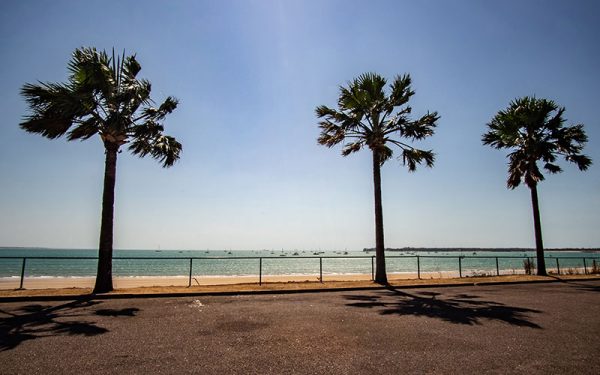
146	281
33	283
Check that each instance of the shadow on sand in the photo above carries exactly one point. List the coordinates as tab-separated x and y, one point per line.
458	309
37	321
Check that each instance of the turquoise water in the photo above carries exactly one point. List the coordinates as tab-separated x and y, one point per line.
274	262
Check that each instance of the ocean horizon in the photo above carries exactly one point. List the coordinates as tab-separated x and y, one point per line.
57	262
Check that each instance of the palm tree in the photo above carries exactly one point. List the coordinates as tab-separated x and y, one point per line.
103	96
368	116
533	130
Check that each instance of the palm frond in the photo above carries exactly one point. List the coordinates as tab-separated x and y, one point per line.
53	108
385	153
49	127
421	128
162	148
324	111
168	106
583	162
352	147
131	67
91	72
401	91
84	130
552	168
372	86
413	157
331	134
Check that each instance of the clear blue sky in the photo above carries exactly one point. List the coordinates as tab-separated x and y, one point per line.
249	75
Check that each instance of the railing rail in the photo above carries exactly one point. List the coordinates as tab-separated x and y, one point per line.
418	258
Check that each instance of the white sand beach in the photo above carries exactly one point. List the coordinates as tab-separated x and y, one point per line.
148	281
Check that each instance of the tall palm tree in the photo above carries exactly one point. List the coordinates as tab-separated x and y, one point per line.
533	130
368	116
103	96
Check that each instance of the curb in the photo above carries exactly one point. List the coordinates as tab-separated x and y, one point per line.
274	291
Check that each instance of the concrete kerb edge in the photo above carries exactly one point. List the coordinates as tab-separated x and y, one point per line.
272	291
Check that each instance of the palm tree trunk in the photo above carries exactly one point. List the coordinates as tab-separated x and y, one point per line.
104	276
380	274
539	244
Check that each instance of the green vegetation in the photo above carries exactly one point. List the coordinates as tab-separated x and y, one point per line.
528	266
368	116
104	97
533	130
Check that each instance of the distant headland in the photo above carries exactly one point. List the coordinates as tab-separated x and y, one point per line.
479	249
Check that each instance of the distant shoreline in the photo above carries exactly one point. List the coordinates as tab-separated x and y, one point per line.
482	249
366	250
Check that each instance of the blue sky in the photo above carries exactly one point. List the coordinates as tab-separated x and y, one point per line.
249	75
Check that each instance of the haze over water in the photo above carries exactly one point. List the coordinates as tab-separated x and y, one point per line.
274	262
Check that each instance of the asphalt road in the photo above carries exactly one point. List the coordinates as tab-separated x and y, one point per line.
528	328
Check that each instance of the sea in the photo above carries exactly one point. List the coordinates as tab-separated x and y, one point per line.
52	263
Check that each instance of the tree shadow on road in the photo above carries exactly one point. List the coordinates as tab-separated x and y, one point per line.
586	287
583	285
580	285
458	309
36	321
131	311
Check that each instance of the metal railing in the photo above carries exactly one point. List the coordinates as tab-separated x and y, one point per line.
418	258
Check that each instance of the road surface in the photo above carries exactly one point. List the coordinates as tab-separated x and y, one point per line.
526	328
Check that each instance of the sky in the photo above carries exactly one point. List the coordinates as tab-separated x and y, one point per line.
249	74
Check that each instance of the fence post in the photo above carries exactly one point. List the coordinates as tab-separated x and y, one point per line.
460	266
260	271
418	267
190	280
584	267
497	268
557	267
22	273
372	268
321	269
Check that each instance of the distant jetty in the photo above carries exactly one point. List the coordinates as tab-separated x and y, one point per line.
478	249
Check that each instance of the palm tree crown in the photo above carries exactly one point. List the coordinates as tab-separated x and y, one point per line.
102	96
534	130
368	116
